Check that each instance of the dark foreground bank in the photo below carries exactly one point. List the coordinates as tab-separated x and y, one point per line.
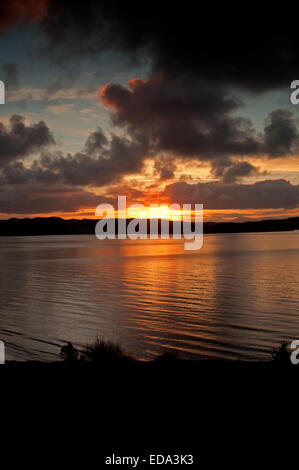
79	411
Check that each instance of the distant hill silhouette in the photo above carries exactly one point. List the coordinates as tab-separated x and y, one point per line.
58	226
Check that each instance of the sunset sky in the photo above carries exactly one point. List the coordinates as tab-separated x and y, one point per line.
154	102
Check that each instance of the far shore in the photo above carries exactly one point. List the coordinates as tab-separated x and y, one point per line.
59	226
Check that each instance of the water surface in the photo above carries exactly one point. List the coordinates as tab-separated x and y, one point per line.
237	297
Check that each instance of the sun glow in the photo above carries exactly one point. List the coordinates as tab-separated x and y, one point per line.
208	215
162	211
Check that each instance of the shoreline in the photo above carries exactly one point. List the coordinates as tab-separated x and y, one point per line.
57	226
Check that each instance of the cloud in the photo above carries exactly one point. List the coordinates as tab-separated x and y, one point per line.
121	157
101	162
42	94
37	199
281	135
16	174
196	121
163	120
162	98
240	170
15	11
165	167
105	160
231	48
182	117
20	140
268	194
227	48
230	171
95	142
174	118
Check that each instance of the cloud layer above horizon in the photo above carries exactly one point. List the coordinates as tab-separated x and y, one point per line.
207	121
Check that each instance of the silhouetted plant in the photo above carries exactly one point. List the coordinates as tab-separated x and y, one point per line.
103	351
281	354
69	353
166	357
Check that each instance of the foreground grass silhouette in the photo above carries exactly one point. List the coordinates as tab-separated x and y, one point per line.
101	355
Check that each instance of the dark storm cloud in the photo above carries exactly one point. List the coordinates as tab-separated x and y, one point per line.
15	11
20	140
268	194
144	101
232	45
281	135
195	120
182	117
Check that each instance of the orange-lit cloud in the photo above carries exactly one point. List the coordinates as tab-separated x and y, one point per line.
13	11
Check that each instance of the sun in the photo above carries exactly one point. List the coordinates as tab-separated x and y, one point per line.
154	211
159	211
